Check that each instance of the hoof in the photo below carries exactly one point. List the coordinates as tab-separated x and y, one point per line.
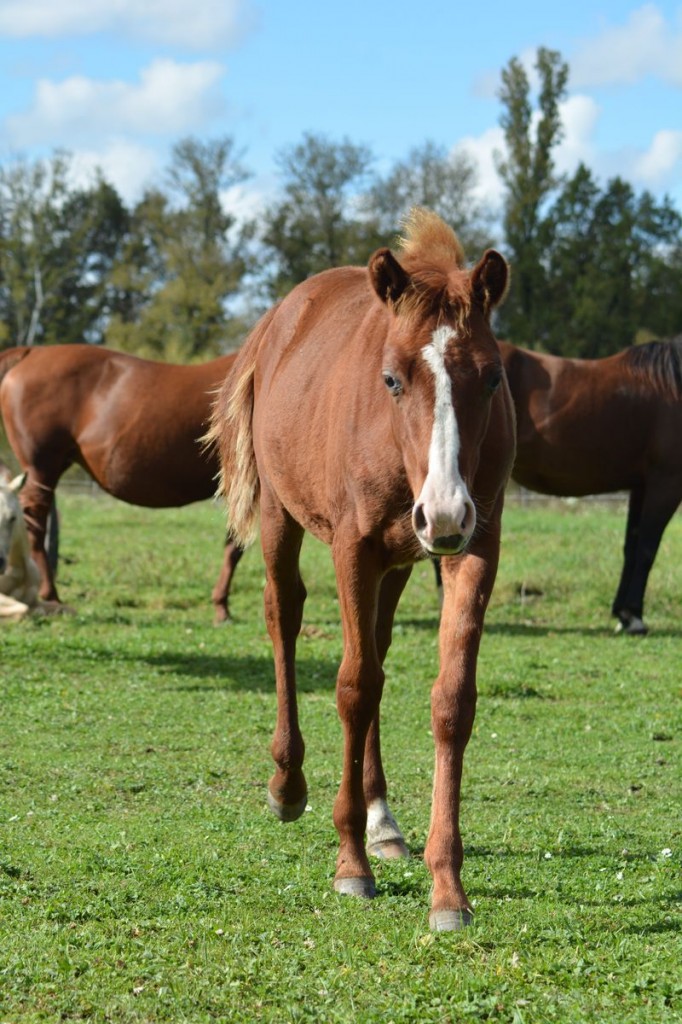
389	849
222	618
54	608
363	887
631	625
287	812
450	920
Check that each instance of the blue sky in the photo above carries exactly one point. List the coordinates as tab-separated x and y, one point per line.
117	82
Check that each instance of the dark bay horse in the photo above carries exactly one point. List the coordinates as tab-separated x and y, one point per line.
134	425
370	407
592	426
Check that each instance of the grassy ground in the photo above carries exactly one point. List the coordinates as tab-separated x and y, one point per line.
142	878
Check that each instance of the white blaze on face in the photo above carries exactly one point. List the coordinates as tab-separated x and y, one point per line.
444	509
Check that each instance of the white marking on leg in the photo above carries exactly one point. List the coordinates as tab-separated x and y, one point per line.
381	825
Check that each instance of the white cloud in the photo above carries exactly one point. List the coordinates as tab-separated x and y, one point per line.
645	45
657	168
198	24
481	149
131	167
169	99
247	201
661	165
579	116
127	166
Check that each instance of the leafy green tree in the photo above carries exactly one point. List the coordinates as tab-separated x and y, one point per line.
528	175
317	222
611	270
657	269
185	259
443	182
567	238
58	243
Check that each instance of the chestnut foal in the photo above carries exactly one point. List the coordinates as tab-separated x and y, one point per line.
371	408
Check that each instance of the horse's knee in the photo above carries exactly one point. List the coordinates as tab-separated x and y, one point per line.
453	708
358	693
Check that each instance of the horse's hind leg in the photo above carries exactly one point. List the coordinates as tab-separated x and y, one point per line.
629	549
221	591
384	838
658	505
284	597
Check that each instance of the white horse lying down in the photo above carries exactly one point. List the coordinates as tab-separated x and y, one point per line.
19	575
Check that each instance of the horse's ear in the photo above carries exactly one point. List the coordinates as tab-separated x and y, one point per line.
388	278
490	280
18	482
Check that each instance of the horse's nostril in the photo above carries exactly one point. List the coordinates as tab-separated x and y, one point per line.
419	518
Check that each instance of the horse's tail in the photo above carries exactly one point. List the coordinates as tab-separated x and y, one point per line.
10	357
231	431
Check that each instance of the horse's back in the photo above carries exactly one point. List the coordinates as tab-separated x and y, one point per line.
313	323
585	426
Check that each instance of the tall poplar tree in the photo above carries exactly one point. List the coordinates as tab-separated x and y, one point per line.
528	175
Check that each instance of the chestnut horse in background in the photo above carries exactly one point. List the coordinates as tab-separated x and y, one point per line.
134	425
592	426
370	407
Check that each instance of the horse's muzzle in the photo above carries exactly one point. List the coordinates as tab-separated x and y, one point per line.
444	529
452	545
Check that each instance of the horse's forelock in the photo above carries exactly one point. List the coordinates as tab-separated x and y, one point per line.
427	236
431	253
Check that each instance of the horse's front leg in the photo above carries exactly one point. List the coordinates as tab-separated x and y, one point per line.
37	501
468	582
358	693
221	592
384	838
284	597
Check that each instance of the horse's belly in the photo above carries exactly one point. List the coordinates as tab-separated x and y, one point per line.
163	482
563	472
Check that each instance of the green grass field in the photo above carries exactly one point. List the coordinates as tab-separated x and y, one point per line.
142	878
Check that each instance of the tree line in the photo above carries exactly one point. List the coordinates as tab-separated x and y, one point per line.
179	276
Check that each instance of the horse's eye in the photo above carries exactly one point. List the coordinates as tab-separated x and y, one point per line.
494	381
392	383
